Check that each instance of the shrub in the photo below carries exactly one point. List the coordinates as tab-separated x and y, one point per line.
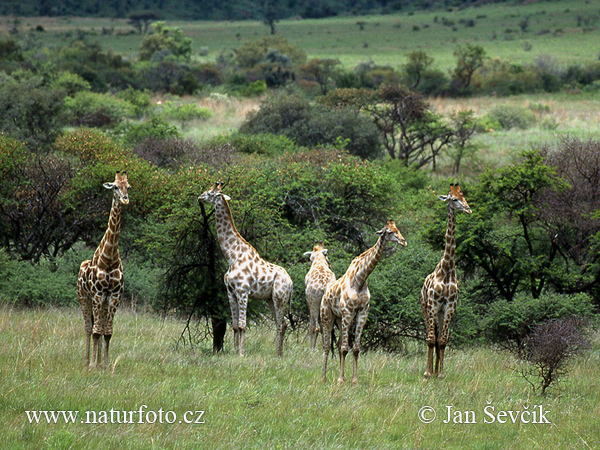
155	128
509	116
261	144
509	323
549	349
95	110
311	126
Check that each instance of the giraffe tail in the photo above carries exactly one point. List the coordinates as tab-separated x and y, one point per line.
290	315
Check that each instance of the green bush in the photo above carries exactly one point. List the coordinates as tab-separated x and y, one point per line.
508	323
133	132
50	282
509	116
315	125
96	110
259	144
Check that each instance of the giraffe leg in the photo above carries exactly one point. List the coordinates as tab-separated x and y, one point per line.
344	348
233	305
86	309
443	338
98	329
314	324
243	305
106	344
279	311
361	320
431	344
326	328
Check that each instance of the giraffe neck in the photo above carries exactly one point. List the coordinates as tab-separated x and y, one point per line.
231	242
447	261
365	263
107	254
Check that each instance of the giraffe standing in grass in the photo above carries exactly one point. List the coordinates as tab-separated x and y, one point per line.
347	300
440	290
316	280
249	276
100	282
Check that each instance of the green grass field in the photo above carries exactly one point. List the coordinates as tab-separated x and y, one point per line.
567	31
261	401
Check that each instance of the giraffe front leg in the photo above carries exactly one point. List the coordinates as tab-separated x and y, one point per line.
360	324
99	314
431	345
443	340
233	305
242	305
111	309
86	310
346	320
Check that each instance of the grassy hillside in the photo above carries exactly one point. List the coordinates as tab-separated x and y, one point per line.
260	401
567	31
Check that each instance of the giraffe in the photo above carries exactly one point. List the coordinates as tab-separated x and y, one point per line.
316	280
248	276
100	282
347	299
440	290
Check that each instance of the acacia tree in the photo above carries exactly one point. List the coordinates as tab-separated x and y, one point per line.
507	236
410	131
469	58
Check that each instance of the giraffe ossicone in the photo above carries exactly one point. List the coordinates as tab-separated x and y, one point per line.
248	276
100	281
316	280
346	300
439	293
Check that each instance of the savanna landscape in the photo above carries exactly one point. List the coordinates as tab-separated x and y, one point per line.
320	132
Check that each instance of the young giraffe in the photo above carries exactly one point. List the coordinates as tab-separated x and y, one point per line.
316	280
100	282
348	298
440	290
249	276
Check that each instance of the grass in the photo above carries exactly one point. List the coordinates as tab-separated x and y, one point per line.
261	401
566	30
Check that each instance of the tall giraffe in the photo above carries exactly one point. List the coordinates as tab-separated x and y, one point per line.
249	276
348	299
440	290
316	280
100	282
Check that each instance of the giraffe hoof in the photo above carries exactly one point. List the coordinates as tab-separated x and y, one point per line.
427	375
341	380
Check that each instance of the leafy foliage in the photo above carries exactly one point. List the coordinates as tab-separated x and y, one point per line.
311	126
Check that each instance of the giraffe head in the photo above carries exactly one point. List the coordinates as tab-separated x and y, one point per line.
390	233
120	187
456	199
214	194
316	249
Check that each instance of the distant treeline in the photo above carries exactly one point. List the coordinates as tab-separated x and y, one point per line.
224	10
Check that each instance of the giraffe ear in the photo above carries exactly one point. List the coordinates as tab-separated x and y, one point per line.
109	185
444	197
226	197
380	232
324	251
307	254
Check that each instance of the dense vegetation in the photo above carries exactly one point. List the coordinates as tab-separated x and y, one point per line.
330	154
231	10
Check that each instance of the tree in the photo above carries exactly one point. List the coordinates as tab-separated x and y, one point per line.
469	58
271	13
418	63
321	71
141	21
167	39
507	237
